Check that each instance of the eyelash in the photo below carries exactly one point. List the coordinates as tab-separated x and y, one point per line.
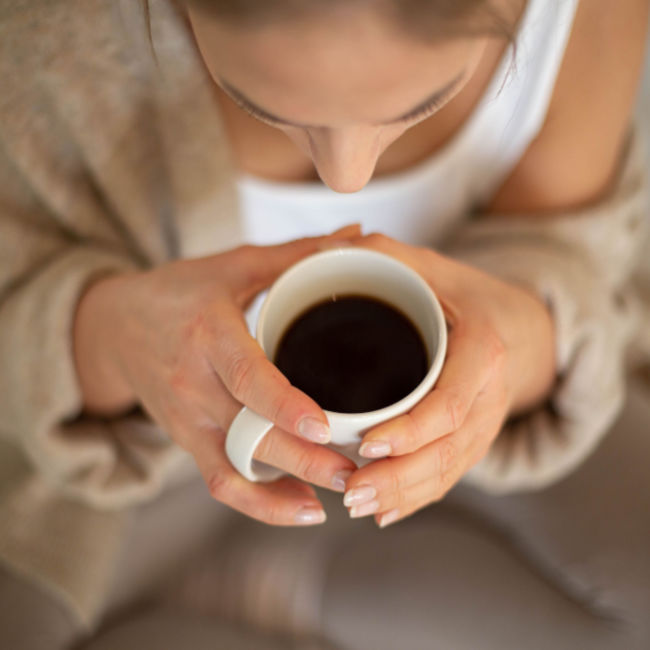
258	115
420	114
423	112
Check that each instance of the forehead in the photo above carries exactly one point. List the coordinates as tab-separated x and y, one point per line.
340	66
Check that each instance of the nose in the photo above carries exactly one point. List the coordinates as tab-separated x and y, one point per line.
345	158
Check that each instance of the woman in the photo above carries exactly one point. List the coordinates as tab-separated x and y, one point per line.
131	178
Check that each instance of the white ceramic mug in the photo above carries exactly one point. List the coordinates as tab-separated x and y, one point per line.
338	272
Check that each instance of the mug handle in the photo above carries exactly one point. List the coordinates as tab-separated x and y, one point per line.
245	433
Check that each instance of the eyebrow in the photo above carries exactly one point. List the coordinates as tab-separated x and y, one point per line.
435	98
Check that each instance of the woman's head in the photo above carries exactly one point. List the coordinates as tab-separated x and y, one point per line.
345	78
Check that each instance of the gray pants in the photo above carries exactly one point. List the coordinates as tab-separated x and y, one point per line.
564	568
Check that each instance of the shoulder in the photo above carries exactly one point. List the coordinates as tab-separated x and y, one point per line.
575	157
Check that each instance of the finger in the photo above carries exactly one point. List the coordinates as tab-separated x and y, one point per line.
285	502
314	464
441	463
470	363
415	498
418	496
254	381
385	484
257	267
440	271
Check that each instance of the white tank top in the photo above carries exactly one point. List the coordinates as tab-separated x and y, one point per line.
421	205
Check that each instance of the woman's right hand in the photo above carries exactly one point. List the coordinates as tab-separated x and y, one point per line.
174	339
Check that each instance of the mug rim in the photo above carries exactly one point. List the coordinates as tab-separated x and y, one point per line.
412	398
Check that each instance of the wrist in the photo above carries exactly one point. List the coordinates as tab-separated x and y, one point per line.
104	389
532	373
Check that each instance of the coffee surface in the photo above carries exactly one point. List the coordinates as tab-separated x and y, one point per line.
353	354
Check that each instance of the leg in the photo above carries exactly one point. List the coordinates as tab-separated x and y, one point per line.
590	534
566	568
163	536
173	629
31	620
182	527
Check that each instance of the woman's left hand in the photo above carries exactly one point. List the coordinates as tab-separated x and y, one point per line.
500	361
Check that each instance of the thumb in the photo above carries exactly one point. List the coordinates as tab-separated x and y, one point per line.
266	263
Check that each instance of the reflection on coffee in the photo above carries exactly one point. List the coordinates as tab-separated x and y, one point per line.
353	354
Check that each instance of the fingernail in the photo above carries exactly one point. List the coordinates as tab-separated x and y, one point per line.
366	509
359	496
340	479
388	518
309	516
375	449
314	430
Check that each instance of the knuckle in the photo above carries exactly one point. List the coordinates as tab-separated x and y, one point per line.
240	372
249	269
455	407
414	436
219	486
196	328
179	381
178	424
394	482
496	349
246	253
376	239
400	501
180	435
440	490
281	402
273	514
306	465
439	494
447	459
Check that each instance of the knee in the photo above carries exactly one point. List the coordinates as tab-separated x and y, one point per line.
32	620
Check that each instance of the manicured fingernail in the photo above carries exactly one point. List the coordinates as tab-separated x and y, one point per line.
314	430
359	496
366	509
309	516
375	449
340	479
388	518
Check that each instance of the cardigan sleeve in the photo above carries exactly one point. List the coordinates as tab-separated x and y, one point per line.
580	263
44	268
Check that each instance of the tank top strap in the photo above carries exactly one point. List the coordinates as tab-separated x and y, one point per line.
514	107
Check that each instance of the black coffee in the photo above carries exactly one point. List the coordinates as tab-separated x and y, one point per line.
353	354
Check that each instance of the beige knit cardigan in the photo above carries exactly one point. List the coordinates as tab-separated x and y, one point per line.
113	159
